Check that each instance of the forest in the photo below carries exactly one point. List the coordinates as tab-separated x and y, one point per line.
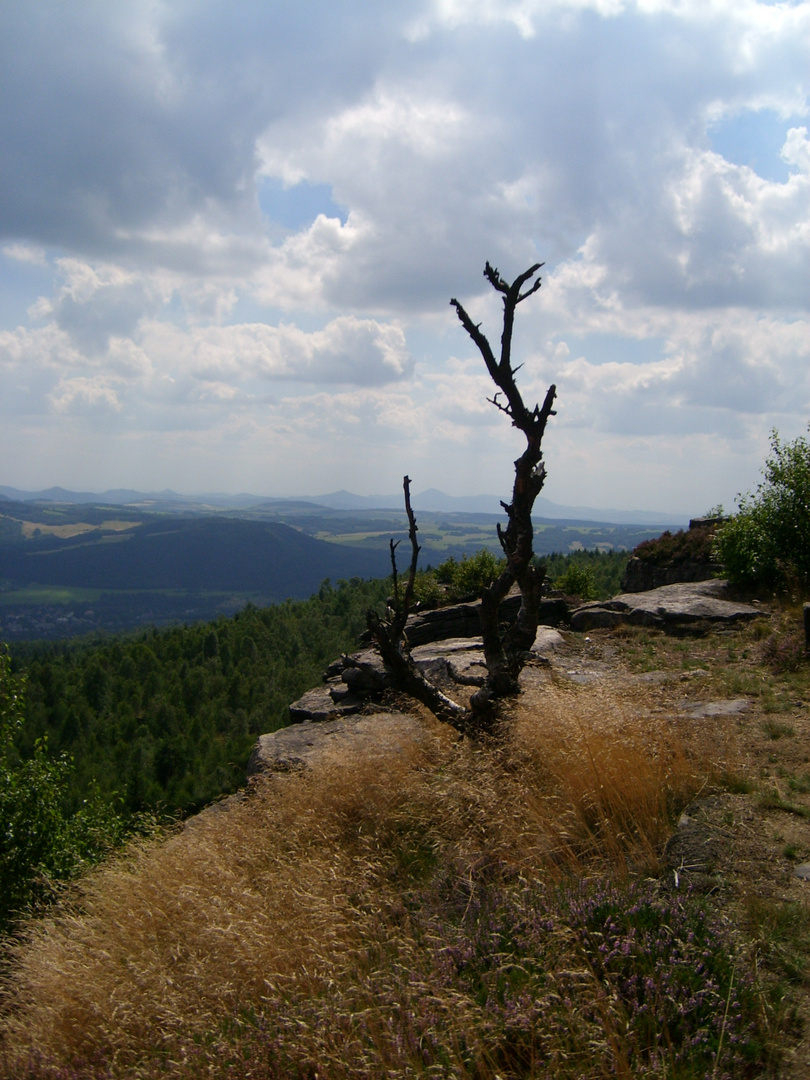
165	719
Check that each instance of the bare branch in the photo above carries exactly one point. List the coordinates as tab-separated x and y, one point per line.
504	654
392	640
505	651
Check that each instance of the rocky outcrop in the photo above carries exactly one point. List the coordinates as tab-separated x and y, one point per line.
352	681
302	745
346	707
687	604
464	620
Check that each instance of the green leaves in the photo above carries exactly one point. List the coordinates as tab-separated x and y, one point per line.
40	844
768	542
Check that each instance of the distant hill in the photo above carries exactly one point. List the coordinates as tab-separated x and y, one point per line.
431	499
191	553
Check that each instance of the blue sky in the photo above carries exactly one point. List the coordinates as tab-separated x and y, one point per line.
229	234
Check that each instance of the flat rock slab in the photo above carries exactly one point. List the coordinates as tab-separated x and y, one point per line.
461	660
464	620
682	604
733	707
320	704
304	745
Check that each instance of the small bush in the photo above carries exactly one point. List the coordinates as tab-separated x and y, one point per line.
768	542
605	569
577	581
785	652
466	580
672	549
427	591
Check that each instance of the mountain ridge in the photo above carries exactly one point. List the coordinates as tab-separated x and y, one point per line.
431	499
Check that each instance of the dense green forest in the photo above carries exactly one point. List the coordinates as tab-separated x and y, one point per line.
166	718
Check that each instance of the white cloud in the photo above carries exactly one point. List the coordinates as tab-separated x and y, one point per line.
85	396
26	253
575	131
347	350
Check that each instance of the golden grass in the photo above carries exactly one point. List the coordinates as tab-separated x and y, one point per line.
306	890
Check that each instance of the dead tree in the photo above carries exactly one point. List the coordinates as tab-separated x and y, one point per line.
389	633
505	648
505	652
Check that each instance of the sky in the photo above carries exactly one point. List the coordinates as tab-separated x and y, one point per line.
230	232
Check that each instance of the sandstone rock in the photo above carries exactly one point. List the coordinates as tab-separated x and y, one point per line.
305	745
459	660
464	620
596	617
734	707
546	640
320	704
365	673
678	605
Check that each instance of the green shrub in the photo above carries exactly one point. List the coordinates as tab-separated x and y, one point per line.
578	581
472	575
40	845
768	542
468	579
605	569
426	589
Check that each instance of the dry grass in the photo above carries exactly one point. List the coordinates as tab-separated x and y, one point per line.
320	909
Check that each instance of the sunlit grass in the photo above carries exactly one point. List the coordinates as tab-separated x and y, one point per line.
385	917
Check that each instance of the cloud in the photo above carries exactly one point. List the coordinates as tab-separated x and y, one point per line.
144	281
26	253
347	350
85	396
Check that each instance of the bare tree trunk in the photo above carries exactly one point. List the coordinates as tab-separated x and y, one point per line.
505	651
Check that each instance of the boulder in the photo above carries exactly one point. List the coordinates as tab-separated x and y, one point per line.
546	640
695	604
325	703
365	673
458	660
